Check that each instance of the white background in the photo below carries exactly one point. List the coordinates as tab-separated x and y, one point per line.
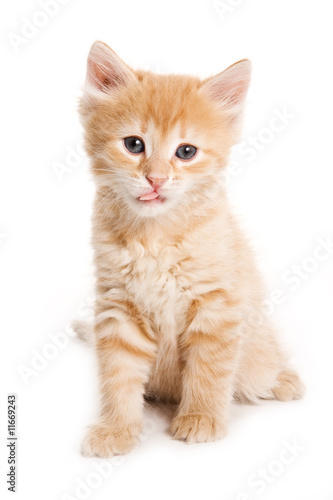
284	195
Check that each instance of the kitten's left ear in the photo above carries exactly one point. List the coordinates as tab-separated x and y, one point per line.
230	87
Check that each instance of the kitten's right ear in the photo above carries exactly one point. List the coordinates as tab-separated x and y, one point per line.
105	70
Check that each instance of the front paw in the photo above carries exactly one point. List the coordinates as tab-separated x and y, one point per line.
104	441
197	428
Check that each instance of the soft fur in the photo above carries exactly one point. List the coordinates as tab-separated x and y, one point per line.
177	285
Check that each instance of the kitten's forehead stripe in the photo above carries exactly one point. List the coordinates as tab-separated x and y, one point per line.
182	130
168	101
144	126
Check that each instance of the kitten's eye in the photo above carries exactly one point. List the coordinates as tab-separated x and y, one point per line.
134	145
186	152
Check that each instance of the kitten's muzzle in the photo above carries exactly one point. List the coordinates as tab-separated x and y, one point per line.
156	181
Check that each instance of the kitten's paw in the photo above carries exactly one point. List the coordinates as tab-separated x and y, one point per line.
104	441
289	386
197	428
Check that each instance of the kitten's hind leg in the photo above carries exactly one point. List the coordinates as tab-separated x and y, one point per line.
289	386
263	371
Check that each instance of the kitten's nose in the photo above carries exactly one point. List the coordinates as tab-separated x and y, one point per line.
157	180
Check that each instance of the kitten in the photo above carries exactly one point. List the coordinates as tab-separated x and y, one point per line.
177	287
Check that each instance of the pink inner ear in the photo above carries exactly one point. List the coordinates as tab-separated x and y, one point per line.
102	76
230	87
105	69
230	92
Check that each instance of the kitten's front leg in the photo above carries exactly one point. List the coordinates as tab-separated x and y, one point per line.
210	352
125	354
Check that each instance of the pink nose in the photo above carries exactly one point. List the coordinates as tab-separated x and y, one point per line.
157	180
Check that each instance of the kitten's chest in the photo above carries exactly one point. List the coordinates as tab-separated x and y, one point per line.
156	282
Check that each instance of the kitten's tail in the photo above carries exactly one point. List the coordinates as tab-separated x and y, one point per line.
84	330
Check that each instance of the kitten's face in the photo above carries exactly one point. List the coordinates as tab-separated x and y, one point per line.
159	142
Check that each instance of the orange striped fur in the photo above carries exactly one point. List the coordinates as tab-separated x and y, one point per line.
176	279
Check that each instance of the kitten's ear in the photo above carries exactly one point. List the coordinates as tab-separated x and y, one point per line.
105	70
229	88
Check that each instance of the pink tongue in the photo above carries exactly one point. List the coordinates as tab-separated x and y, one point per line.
149	196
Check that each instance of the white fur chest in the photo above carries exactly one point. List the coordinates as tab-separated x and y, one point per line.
154	281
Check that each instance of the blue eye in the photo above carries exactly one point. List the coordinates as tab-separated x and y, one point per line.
186	152
134	145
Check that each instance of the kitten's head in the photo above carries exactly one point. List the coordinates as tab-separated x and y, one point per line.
159	142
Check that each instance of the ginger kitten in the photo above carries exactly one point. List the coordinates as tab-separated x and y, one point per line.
176	281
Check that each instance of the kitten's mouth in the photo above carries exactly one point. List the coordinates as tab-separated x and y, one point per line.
151	198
